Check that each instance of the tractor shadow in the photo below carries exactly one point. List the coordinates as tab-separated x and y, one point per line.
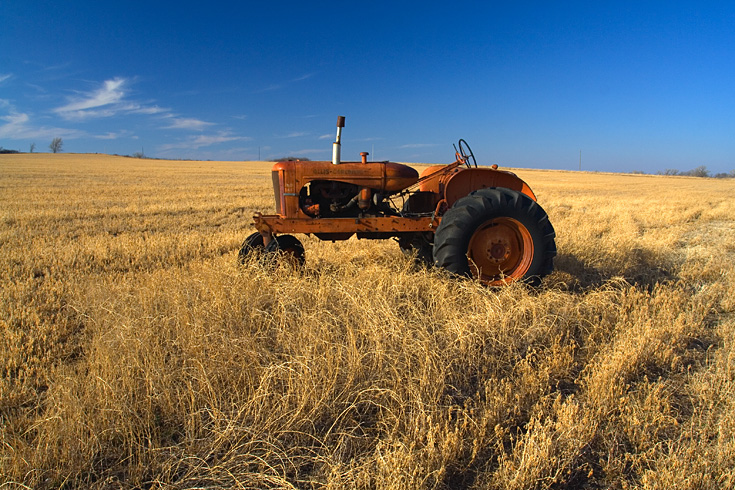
643	269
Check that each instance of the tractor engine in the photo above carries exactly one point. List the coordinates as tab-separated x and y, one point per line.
350	189
331	198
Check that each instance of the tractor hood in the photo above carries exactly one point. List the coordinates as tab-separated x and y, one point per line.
382	176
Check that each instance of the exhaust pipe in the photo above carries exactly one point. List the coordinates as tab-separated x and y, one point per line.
337	145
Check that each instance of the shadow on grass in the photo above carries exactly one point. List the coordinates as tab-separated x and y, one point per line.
643	269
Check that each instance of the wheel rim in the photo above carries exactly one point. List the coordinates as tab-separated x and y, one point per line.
500	251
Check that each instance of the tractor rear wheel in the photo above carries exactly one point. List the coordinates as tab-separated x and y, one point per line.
252	245
289	246
498	236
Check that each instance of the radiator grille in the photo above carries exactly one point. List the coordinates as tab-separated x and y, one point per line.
277	190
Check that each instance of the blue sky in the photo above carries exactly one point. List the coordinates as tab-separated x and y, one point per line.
639	85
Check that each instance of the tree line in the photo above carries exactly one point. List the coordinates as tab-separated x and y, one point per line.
56	146
700	171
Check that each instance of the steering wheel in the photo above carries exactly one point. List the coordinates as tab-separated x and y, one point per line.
465	154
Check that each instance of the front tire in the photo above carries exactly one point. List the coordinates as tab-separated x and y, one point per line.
289	247
251	246
498	236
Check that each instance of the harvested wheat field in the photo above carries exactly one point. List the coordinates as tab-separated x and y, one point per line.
137	353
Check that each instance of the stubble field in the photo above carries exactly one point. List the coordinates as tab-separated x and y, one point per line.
136	353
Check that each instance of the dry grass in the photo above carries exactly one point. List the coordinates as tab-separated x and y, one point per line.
136	353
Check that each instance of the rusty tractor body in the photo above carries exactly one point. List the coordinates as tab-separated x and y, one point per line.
473	221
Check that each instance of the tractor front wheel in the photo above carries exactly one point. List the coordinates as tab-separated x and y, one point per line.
498	236
252	245
289	247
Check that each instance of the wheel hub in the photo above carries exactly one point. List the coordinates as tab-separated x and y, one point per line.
499	251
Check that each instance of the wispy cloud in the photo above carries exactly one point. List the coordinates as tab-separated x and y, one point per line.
15	123
4	77
303	77
106	101
187	123
138	109
277	86
270	88
39	89
326	136
293	134
111	92
115	135
60	66
196	142
18	126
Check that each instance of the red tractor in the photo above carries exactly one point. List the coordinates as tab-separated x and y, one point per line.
472	221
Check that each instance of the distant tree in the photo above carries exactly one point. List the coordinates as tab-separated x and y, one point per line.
700	171
138	154
671	171
56	145
33	147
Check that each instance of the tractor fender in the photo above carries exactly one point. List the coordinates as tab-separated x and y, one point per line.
464	181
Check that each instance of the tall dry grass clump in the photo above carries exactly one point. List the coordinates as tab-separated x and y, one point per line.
136	352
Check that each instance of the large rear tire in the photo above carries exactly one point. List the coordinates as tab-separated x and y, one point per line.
498	236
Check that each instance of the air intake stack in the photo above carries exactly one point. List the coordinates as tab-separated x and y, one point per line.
337	145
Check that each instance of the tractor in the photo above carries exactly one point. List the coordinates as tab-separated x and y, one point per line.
478	222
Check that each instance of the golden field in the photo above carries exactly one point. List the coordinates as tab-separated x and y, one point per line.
136	352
